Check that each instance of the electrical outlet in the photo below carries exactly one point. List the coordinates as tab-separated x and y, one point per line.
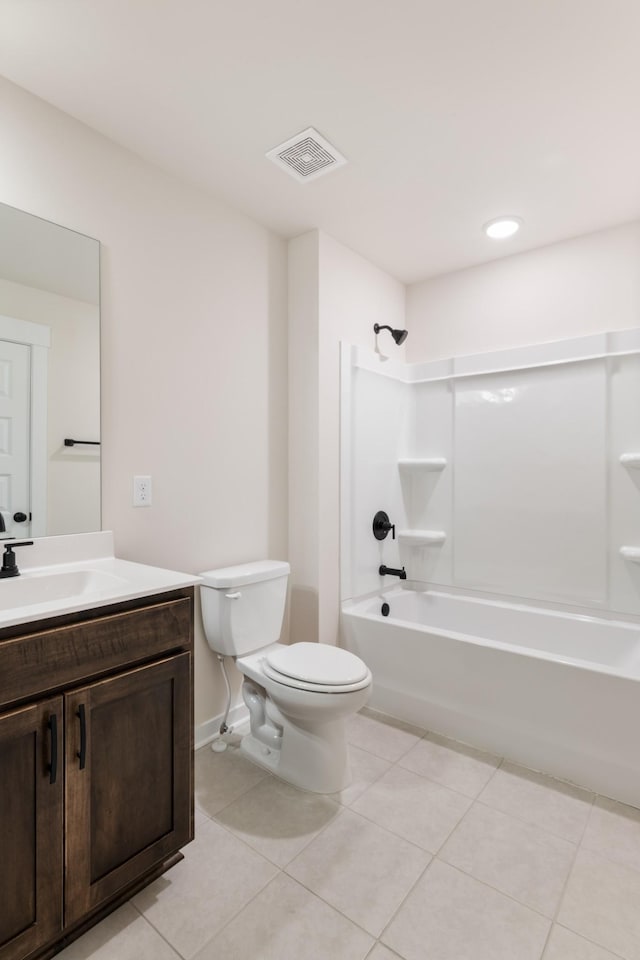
142	491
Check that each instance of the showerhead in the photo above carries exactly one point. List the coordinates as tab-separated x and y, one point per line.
398	335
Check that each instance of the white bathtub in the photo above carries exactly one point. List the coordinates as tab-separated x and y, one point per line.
556	691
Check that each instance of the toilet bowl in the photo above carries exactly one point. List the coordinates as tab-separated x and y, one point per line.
298	696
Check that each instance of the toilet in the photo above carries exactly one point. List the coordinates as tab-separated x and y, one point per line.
298	696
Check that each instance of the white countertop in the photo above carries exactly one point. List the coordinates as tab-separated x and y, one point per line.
61	575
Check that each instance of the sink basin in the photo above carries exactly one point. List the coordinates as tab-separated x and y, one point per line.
36	588
67	574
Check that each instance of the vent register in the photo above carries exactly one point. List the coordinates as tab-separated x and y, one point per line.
307	156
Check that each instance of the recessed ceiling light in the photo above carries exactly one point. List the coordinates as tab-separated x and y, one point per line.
502	227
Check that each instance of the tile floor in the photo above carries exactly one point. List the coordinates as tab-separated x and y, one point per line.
436	851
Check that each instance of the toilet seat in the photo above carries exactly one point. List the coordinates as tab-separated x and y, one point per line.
314	687
316	667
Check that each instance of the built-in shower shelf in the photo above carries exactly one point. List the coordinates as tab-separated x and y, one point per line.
422	463
630	553
422	538
630	460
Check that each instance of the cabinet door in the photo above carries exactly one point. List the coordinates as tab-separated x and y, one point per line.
31	795
128	779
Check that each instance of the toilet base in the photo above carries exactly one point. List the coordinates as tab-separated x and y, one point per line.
264	756
317	761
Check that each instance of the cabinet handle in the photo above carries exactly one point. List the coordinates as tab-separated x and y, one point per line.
82	754
52	724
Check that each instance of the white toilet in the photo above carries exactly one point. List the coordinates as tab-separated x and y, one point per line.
298	696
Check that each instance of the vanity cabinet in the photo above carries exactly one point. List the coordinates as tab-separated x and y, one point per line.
31	817
96	770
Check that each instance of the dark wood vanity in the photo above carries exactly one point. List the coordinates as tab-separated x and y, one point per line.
96	764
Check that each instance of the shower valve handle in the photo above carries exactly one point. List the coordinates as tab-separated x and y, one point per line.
382	525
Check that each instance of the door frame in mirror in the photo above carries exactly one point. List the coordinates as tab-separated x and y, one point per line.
37	337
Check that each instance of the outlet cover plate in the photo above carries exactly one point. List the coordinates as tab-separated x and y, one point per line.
142	491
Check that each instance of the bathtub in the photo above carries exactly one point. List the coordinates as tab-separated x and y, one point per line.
555	691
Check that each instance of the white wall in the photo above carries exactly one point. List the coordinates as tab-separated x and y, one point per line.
587	285
194	375
334	295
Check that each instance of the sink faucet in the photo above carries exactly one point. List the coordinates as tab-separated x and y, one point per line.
392	572
9	566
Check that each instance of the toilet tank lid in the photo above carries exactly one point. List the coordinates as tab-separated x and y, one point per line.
244	573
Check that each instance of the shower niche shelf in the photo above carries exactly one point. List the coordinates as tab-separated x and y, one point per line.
630	553
630	460
431	464
422	538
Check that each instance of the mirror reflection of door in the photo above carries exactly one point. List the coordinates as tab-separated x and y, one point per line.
50	304
15	364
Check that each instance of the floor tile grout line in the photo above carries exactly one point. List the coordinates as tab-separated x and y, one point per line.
315	836
267	775
404	900
528	823
580	846
499	766
611	860
356	923
485	883
241	795
159	932
599	853
341	809
502	893
225	924
369	783
563	926
573	863
528	906
235	915
426	734
282	871
446	786
259	853
399	836
236	836
437	783
378	756
435	854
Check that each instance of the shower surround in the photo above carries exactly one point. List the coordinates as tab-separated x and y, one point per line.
513	481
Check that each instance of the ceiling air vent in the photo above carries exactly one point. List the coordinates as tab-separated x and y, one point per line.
307	156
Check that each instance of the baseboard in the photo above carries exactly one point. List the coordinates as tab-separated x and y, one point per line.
210	729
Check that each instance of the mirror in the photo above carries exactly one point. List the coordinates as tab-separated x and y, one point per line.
49	378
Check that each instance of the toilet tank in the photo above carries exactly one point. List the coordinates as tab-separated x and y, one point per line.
243	606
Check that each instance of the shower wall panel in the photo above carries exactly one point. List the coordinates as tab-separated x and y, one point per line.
530	482
427	493
375	419
515	473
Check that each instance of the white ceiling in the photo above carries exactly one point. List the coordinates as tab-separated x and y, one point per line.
450	112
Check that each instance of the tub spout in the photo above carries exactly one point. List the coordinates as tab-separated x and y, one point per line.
392	572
